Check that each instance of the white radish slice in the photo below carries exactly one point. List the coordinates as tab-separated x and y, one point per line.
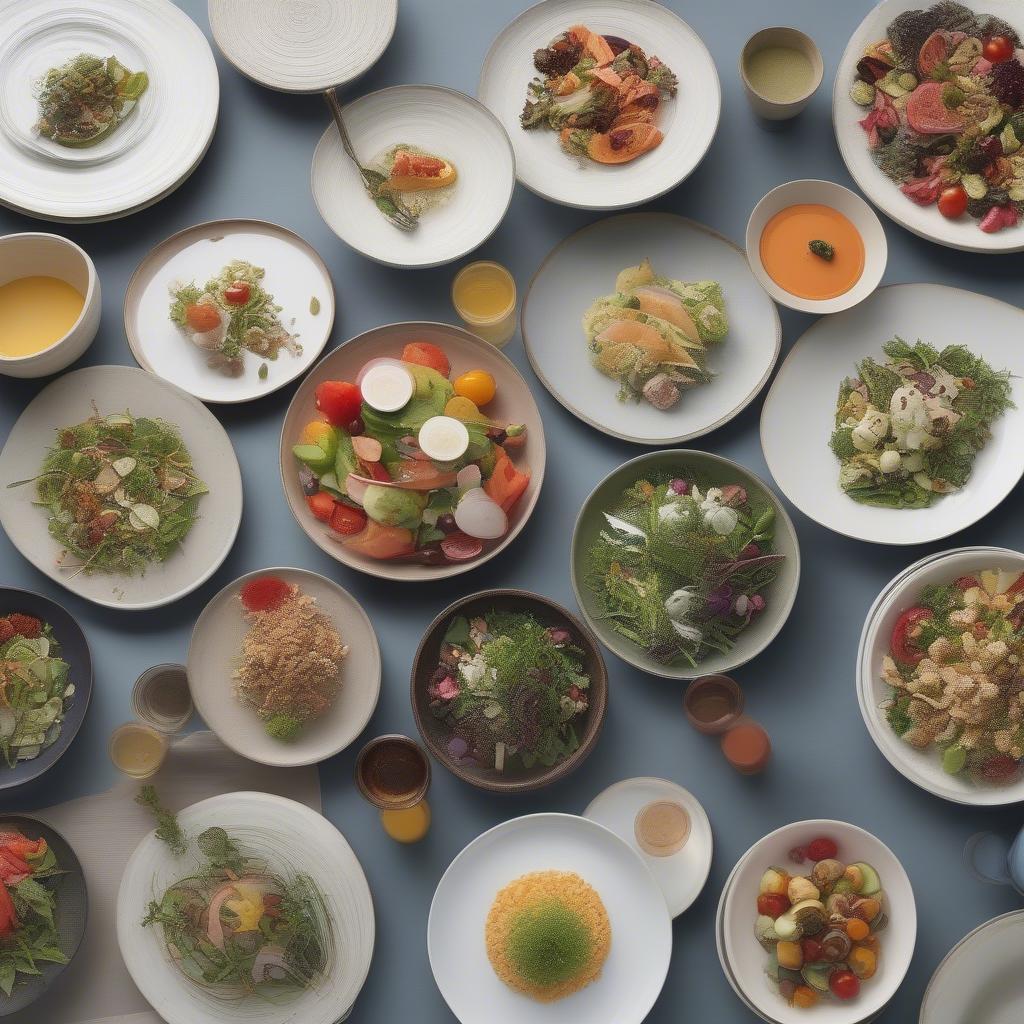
380	361
469	477
481	517
444	438
387	387
367	448
355	487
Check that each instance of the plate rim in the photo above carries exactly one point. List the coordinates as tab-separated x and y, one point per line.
604	429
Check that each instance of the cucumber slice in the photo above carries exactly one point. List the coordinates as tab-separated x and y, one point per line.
817	977
871	883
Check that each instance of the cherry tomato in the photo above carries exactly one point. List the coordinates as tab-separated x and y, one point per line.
901	644
237	293
966	582
953	201
821	848
772	903
321	505
202	317
997	49
339	401
811	950
425	353
844	984
347	520
476	385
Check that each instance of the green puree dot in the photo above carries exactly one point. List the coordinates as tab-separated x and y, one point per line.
548	943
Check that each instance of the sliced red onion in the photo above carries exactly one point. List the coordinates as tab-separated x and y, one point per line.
458	747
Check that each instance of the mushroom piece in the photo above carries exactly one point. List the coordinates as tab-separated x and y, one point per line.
826	872
661	392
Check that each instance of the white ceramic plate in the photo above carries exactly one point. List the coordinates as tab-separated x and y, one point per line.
153	151
688	121
302	47
295	274
798	415
584	266
923	767
980	979
747	958
681	876
925	221
641	927
213	657
443	122
70	400
279	827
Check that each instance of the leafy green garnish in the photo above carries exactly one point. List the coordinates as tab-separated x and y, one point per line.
167	828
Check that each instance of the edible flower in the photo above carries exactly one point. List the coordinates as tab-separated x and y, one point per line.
679	602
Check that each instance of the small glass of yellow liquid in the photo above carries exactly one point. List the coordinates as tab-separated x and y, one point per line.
35	313
138	750
662	828
484	296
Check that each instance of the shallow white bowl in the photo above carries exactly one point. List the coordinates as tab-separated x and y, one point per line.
39	254
641	928
747	957
798	415
443	122
688	121
923	767
851	206
926	221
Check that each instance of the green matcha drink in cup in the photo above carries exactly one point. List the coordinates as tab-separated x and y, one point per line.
781	68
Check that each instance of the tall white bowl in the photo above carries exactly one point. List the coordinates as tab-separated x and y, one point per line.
38	254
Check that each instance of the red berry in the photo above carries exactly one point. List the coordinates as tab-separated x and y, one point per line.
997	49
264	593
953	201
772	903
811	950
339	400
966	582
844	984
27	626
237	293
821	849
321	505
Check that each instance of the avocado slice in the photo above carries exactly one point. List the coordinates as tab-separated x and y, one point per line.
313	456
871	883
345	460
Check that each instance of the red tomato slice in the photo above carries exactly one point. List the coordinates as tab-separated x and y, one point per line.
901	645
347	520
237	293
8	917
339	400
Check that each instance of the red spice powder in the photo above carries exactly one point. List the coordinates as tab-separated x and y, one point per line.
27	626
264	593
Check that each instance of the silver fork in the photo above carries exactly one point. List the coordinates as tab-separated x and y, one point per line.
390	205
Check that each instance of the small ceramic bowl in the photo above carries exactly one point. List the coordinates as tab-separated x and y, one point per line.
850	205
36	253
436	736
766	106
779	596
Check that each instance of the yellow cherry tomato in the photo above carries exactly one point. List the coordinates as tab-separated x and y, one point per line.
461	408
315	431
476	385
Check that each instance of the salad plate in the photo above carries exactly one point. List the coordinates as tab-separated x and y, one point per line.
166	129
682	875
215	653
586	264
288	837
919	215
126	392
979	978
66	645
934	764
684	629
640	925
382	546
306	47
295	279
431	119
799	413
687	121
747	959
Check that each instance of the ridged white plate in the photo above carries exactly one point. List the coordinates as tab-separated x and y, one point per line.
159	143
688	121
213	658
443	122
584	266
798	415
302	45
295	274
926	221
72	399
279	829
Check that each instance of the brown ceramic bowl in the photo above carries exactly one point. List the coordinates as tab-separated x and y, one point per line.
436	736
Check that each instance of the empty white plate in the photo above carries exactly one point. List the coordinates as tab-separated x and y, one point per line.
688	121
926	221
641	928
798	416
295	276
72	399
980	979
159	143
444	123
683	874
303	47
583	268
214	655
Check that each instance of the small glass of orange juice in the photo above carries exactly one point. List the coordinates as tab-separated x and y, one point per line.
393	774
484	296
138	750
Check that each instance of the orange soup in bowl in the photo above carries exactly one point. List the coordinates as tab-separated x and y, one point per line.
812	251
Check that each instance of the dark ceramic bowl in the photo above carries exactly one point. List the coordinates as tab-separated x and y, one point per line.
74	649
436	735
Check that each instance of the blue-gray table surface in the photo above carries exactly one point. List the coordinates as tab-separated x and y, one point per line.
801	688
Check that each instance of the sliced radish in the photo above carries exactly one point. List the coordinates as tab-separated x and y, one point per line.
367	448
458	547
387	387
444	438
469	477
479	516
355	487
